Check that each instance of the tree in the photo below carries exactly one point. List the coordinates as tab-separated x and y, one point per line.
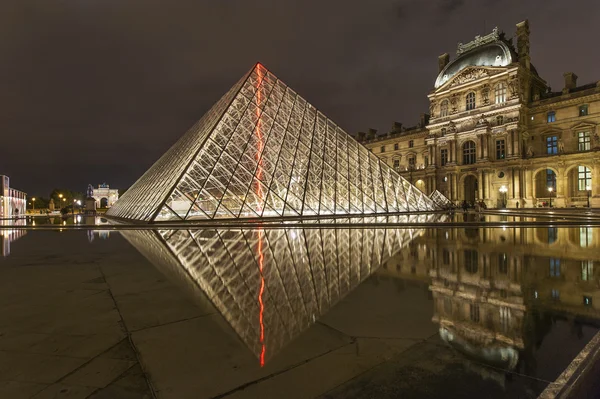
67	198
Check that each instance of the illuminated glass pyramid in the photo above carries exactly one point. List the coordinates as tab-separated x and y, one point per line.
439	199
263	151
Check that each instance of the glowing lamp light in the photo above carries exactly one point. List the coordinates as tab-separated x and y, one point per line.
503	189
550	189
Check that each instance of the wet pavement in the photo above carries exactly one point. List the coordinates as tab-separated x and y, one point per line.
295	312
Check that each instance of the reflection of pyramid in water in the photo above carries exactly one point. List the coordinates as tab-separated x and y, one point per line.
272	284
263	151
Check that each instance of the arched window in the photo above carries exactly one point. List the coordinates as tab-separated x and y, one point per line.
470	101
499	120
469	153
500	93
444	108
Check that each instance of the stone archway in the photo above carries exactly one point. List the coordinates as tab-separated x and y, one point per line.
578	187
103	202
544	187
470	189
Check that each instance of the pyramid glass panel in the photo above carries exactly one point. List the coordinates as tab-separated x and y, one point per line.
264	150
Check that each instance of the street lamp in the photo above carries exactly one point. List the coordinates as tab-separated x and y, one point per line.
589	191
33	203
503	190
550	189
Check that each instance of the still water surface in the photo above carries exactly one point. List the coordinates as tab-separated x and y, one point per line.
309	312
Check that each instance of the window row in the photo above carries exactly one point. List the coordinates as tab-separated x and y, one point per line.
469	152
554	144
500	91
411	144
551	115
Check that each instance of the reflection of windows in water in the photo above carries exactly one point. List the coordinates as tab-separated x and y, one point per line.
554	267
471	260
585	236
552	234
474	310
587	270
555	295
587	300
413	269
503	263
414	253
472	233
447	306
505	318
445	256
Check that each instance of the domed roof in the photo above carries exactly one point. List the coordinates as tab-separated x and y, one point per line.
494	54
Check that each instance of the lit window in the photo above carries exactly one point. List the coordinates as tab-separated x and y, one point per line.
554	267
552	145
474	312
584	178
587	300
382	148
551	117
583	110
500	149
584	141
499	120
470	101
444	108
551	179
587	270
411	144
396	147
585	237
469	153
500	93
443	156
396	164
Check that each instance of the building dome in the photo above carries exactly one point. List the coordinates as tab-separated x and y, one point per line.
495	54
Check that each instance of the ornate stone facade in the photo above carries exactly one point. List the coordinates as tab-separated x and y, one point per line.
496	132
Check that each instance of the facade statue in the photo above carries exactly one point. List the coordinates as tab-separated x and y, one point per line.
529	151
561	146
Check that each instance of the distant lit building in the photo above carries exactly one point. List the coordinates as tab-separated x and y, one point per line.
496	131
105	196
12	202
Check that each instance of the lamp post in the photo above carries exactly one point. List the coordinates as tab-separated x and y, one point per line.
589	191
33	204
550	189
503	190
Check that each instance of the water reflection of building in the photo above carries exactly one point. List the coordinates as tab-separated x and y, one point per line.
12	202
8	235
496	291
270	284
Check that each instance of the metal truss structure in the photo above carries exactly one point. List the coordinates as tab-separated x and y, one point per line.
263	151
440	200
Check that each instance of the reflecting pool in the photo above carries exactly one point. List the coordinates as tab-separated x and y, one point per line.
296	311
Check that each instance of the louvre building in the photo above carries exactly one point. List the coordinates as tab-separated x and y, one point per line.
496	132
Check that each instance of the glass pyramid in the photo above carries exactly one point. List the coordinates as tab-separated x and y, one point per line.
263	151
439	199
271	284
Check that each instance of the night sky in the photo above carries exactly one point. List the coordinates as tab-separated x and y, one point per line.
95	91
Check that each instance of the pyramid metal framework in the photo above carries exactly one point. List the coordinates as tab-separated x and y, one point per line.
271	284
440	200
264	151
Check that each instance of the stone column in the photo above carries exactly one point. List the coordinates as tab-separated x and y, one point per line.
509	145
486	145
517	183
480	185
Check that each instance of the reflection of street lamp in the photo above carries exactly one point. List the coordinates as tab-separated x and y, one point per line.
503	190
589	191
550	189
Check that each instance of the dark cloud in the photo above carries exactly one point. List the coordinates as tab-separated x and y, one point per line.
96	91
